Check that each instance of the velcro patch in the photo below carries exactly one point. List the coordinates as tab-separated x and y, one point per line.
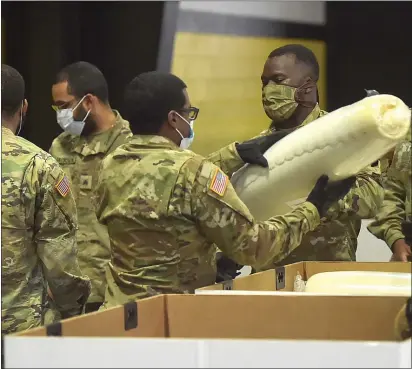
63	186
219	182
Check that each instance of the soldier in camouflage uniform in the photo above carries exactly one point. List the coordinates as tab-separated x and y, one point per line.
396	207
290	99
92	131
166	207
38	224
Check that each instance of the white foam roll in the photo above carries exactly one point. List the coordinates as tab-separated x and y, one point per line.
361	283
339	144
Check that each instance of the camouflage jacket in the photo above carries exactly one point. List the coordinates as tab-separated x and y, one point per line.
38	238
166	208
396	206
80	157
337	239
227	159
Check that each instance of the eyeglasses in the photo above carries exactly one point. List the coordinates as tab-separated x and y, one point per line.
192	112
62	106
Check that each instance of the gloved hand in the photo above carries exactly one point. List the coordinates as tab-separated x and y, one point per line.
252	151
227	269
323	195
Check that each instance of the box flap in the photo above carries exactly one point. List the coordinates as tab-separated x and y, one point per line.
120	321
283	316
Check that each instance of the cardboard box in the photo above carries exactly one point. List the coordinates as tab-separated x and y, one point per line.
283	278
155	326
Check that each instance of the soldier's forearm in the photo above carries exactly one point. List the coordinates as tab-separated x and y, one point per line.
227	159
363	200
280	235
387	224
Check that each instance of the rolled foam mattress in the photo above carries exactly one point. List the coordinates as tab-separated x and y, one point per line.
361	283
339	144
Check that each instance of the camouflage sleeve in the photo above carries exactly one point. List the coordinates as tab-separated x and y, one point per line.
387	223
227	159
226	221
364	199
55	224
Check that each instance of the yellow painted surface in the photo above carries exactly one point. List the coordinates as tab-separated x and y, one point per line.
223	77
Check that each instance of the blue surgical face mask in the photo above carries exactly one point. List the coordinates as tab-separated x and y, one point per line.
186	141
66	120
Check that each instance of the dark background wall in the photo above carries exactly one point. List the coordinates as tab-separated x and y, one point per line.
120	38
369	45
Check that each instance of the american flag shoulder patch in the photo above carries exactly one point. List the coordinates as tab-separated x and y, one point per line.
63	186
219	182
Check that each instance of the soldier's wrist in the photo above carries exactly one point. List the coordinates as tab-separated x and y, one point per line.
394	238
398	245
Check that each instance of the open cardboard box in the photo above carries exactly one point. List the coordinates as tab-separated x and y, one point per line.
283	278
222	331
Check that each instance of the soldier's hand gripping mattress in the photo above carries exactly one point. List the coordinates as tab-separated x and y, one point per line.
340	145
361	283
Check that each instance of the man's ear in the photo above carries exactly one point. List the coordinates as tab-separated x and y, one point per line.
171	119
25	106
311	85
90	101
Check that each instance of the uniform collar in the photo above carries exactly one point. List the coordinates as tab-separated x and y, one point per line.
6	131
100	142
153	140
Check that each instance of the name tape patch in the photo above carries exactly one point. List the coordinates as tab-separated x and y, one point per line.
219	182
63	186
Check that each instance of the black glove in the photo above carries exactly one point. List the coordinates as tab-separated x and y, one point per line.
323	195
407	231
371	92
252	151
227	269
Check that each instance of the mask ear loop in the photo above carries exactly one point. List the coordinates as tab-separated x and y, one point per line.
21	119
180	133
88	113
79	103
302	102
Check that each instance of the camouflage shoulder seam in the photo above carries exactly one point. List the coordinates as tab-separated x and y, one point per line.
192	165
49	163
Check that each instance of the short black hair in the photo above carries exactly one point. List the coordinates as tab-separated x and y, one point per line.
84	78
303	55
149	98
12	90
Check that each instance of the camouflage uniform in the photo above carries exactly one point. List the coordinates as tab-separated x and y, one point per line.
38	223
166	208
227	159
337	239
80	158
396	206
